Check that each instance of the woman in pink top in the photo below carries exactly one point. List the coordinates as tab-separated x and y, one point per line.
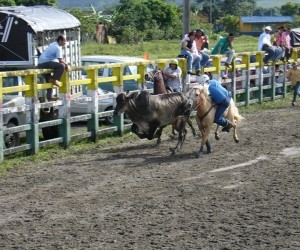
287	44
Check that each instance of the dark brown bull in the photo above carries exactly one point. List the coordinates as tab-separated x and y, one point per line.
159	87
151	113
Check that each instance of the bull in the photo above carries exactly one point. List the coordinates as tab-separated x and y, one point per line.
151	113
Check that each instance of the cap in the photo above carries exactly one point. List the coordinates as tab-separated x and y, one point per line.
268	28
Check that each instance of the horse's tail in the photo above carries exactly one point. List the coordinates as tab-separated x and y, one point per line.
237	116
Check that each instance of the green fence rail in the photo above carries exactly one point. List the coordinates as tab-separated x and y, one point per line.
246	80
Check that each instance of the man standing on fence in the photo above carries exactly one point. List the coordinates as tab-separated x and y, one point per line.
52	58
293	75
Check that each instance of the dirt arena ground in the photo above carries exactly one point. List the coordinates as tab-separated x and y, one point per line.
137	196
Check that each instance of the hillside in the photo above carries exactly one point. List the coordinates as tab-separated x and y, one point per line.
273	3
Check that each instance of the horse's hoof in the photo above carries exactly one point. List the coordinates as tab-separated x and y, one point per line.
199	155
217	137
208	151
237	140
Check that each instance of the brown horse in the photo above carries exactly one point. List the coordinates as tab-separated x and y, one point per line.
206	109
159	87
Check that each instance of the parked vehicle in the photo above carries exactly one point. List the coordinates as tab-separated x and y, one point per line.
129	85
13	100
106	102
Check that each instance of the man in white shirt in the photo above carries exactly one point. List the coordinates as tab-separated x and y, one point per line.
172	76
51	58
264	43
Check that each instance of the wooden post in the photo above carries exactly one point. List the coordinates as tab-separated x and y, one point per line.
259	58
118	85
92	107
246	60
33	115
64	110
141	69
216	61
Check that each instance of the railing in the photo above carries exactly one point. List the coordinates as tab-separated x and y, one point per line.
246	88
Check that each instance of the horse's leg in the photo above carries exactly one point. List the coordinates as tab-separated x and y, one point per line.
204	140
235	137
181	135
191	126
217	135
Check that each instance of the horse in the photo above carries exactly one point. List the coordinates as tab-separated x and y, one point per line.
159	87
205	113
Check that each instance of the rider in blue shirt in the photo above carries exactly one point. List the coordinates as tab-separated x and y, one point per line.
222	98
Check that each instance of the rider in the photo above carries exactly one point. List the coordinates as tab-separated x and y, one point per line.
221	97
172	76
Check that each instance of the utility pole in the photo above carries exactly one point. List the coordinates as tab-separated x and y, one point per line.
186	17
210	12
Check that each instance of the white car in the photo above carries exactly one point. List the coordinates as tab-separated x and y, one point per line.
106	102
129	85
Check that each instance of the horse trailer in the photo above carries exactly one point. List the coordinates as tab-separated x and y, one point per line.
25	32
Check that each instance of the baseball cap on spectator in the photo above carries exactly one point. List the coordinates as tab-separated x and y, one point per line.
268	28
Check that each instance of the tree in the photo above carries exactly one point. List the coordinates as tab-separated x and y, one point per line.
36	2
146	19
290	9
7	3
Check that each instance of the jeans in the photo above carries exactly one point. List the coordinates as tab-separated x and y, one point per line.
204	60
230	54
58	70
274	53
190	61
296	89
219	116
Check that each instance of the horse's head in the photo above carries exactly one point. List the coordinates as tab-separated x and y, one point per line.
154	75
195	97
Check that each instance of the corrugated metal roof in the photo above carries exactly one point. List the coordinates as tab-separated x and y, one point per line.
267	19
42	17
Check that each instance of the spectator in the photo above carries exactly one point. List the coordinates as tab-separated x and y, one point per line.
202	43
280	41
222	98
189	49
225	46
264	43
51	58
286	38
172	76
293	75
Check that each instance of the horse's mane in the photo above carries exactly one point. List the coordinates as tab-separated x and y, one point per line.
203	89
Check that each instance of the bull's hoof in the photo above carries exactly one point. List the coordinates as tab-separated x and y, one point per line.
209	151
173	151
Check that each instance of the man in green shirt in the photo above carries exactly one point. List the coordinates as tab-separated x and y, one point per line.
225	46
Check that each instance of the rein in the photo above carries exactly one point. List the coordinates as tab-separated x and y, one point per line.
208	111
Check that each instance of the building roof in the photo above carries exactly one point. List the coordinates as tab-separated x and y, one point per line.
42	17
266	19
